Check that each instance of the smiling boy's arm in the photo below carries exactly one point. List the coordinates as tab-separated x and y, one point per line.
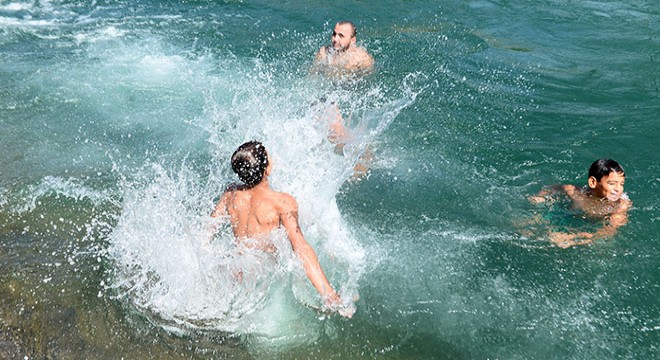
545	193
612	224
614	221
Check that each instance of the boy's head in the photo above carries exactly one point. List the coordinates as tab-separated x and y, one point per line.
606	179
250	162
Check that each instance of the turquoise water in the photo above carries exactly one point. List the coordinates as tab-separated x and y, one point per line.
118	119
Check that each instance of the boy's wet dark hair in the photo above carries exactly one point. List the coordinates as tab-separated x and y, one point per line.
249	162
603	167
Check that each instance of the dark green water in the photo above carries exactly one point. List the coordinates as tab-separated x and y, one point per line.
118	119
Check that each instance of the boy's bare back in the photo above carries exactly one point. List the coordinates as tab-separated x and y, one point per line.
255	212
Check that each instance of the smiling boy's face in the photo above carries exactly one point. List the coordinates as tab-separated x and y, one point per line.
609	187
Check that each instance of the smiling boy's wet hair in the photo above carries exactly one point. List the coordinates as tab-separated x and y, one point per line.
249	162
604	167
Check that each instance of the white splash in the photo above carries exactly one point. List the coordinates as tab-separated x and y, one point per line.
167	262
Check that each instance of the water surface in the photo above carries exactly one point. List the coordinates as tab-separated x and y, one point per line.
118	119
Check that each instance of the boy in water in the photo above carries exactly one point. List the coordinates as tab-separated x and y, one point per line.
603	197
255	211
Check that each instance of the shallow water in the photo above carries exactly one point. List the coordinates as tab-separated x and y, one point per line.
118	119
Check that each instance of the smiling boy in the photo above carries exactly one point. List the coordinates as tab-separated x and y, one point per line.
603	197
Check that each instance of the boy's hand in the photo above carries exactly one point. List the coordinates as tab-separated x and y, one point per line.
566	240
562	240
536	199
347	311
334	303
543	196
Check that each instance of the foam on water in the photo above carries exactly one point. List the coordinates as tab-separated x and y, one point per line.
71	188
32	14
13	7
99	35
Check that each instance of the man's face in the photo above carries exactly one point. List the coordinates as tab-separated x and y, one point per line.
342	37
609	187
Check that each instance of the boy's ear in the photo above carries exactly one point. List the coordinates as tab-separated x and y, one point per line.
592	182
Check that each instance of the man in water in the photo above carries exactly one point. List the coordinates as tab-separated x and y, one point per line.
344	52
603	198
255	211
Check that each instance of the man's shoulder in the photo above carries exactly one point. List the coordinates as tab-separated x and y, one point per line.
362	50
362	58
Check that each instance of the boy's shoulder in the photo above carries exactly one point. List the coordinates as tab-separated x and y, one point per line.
285	201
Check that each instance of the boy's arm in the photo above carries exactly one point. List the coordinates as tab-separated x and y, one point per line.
614	222
221	207
219	211
289	218
548	191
